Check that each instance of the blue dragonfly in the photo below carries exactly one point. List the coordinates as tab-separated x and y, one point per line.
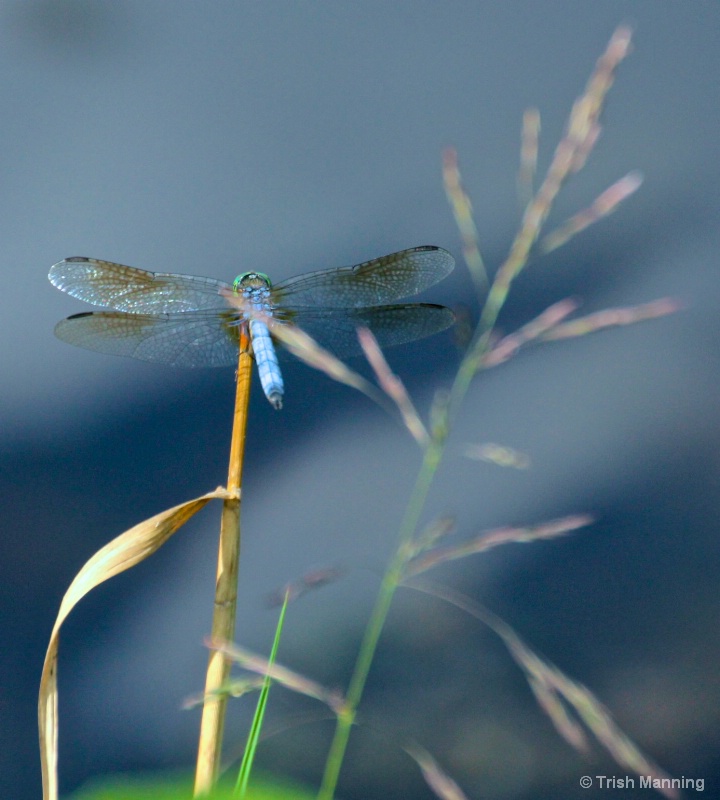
188	321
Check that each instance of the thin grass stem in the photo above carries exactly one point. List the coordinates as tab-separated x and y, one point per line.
254	735
569	157
223	624
391	580
431	460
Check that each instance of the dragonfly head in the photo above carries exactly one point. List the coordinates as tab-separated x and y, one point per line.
251	288
251	280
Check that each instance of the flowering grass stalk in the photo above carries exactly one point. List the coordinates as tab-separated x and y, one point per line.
483	352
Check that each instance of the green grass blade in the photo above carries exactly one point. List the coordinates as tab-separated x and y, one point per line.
255	728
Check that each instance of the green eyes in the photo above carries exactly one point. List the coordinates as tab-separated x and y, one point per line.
252	279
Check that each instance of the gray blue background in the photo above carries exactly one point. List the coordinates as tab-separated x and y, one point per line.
213	138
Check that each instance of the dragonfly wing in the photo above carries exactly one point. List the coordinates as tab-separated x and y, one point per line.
201	339
336	329
115	286
375	282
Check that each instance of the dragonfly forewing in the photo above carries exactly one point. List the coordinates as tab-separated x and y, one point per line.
104	283
377	282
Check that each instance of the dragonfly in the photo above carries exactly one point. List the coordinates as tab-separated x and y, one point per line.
189	321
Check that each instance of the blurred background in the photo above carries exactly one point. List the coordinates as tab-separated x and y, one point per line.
283	137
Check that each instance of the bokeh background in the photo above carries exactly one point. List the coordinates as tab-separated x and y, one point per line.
213	138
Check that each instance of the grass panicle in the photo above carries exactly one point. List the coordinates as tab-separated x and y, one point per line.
568	704
489	539
310	581
462	211
483	351
603	205
529	146
393	387
499	454
441	783
287	678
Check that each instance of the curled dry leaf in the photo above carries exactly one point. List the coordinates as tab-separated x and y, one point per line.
123	552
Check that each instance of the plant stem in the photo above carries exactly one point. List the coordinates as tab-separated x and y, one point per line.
569	156
254	736
390	582
394	574
223	624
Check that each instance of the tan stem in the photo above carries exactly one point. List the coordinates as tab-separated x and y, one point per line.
223	625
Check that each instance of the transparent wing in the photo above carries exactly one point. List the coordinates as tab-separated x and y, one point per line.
115	286
336	329
375	282
201	339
